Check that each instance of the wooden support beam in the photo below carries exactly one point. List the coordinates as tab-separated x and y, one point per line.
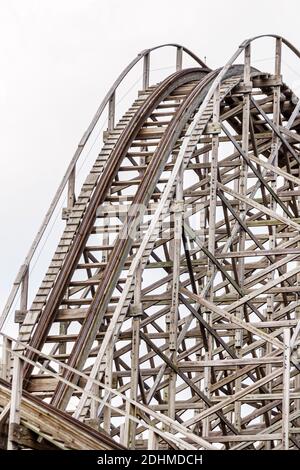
24	291
286	390
152	440
179	52
146	71
6	358
15	403
111	112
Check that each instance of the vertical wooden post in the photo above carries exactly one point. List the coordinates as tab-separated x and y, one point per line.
111	112
63	326
6	358
214	177
297	347
137	310
178	209
15	403
152	440
273	204
94	409
146	71
108	382
203	239
63	330
70	194
286	390
242	189
297	316
24	291
71	188
211	237
122	429
179	58
126	426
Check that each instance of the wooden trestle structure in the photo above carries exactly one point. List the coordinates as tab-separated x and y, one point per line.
169	315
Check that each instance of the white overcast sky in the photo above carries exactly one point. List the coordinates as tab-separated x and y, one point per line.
59	57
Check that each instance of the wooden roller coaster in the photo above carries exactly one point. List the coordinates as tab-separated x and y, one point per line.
169	315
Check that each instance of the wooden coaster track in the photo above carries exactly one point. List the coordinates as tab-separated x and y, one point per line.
169	315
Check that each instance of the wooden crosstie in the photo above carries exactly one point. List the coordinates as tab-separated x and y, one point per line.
169	315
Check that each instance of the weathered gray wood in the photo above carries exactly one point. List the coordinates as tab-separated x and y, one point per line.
15	402
188	337
70	169
146	71
6	358
286	390
179	58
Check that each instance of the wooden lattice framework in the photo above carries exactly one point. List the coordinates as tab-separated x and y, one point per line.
170	312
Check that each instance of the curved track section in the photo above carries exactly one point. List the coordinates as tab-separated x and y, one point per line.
169	315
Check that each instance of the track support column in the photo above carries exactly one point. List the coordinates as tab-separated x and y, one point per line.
15	403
